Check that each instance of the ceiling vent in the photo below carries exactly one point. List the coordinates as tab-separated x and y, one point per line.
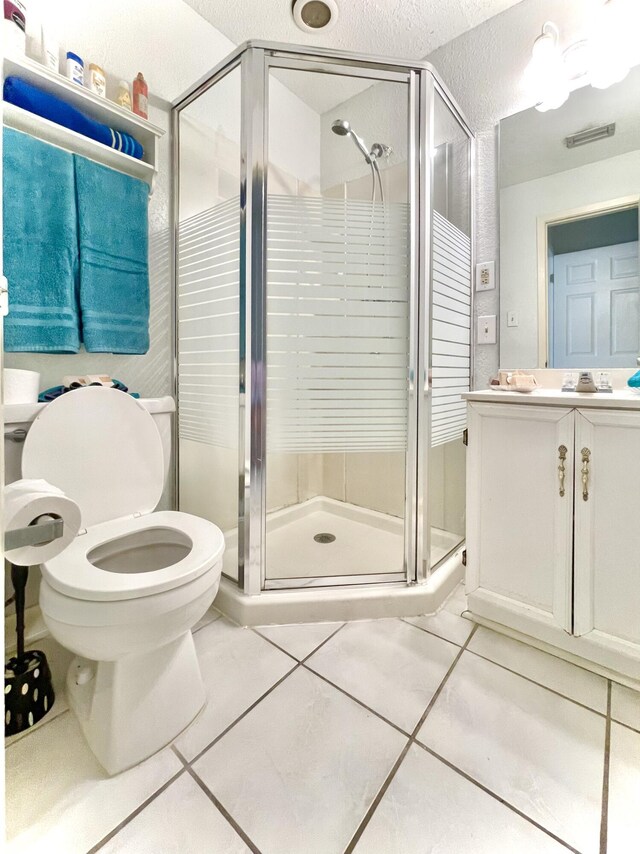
312	16
590	135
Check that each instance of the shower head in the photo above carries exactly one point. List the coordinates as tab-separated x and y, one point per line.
341	127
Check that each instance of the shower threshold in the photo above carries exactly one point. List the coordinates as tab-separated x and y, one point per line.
322	551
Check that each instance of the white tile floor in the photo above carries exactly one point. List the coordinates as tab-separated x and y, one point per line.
389	736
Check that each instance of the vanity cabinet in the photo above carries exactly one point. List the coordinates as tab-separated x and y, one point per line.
553	526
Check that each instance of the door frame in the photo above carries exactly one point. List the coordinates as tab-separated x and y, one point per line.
543	224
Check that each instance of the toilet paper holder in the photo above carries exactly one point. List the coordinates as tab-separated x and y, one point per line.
44	529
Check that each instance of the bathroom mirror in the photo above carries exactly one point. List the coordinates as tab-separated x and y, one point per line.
569	190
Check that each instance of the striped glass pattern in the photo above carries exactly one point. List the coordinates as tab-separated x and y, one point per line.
208	325
337	325
451	330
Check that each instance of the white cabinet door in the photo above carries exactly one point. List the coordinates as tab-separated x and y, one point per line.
519	530
607	530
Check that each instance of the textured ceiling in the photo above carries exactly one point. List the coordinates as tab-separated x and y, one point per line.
408	29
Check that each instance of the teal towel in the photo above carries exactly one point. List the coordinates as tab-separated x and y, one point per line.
114	268
40	246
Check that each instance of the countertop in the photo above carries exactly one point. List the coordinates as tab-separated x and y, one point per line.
618	399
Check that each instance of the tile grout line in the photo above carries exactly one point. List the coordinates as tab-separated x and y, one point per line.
493	794
428	631
274	644
604	816
244	714
326	640
255	630
223	810
540	684
136	812
355	839
403	732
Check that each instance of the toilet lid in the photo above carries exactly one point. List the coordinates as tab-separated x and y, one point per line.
102	449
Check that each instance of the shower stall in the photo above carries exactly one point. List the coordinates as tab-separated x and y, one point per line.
323	253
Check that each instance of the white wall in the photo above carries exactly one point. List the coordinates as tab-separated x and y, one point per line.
520	207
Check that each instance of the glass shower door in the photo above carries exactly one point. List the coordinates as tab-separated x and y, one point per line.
338	327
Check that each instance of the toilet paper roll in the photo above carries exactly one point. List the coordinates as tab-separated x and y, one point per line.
24	501
20	386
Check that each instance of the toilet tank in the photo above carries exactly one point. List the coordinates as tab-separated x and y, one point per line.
19	416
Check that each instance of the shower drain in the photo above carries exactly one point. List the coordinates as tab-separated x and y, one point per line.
324	538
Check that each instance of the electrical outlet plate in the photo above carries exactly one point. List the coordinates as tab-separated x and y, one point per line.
485	276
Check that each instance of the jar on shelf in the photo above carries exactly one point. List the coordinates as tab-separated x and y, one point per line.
97	80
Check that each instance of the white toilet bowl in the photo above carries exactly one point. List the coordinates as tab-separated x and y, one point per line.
126	593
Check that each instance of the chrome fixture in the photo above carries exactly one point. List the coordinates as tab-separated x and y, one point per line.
341	127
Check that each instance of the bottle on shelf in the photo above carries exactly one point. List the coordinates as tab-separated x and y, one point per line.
140	96
75	68
124	95
97	80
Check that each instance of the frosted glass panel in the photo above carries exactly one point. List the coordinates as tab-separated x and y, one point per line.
337	303
208	279
208	301
451	345
450	336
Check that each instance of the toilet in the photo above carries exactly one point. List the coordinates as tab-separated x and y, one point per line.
126	593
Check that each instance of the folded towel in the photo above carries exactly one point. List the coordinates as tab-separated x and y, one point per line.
40	246
23	94
114	270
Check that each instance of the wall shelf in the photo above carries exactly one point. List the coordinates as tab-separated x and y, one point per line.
92	105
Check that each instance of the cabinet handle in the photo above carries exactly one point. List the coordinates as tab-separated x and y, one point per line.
586	455
562	456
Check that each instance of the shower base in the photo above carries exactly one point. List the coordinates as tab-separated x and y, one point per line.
314	577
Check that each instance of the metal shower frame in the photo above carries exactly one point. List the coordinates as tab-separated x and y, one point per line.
255	60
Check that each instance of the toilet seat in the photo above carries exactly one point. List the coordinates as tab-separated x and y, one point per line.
102	448
74	574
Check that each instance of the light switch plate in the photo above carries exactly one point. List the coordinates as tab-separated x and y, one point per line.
485	276
512	318
486	331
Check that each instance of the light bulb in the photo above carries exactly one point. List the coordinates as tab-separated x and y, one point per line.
546	75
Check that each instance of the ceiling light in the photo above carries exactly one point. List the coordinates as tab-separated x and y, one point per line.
604	57
546	75
315	15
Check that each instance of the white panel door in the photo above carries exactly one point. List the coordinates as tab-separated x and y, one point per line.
519	526
595	308
607	529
